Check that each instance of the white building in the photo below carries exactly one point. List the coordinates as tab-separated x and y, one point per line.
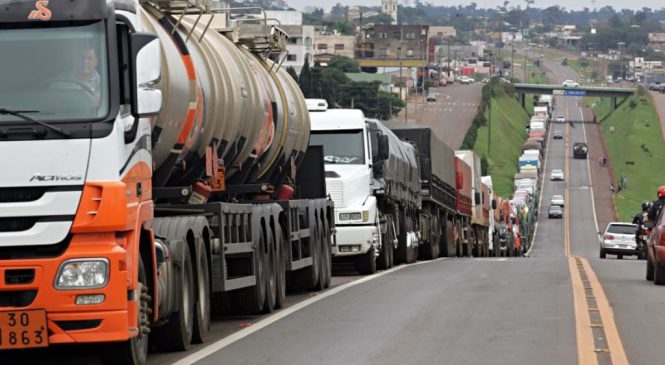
390	7
301	37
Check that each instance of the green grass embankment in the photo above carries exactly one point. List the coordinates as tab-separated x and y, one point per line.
636	149
508	136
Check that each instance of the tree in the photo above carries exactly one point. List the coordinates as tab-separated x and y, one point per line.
344	64
378	19
484	166
338	12
344	27
305	79
292	71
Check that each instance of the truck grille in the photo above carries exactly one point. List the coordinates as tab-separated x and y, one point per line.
336	191
17	224
17	195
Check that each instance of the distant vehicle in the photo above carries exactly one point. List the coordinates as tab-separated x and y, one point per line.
580	150
464	80
557	200
570	83
656	252
555	211
618	239
485	80
564	61
557	135
560	119
556	175
431	97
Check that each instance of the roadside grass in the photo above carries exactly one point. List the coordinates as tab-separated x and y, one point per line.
508	136
636	149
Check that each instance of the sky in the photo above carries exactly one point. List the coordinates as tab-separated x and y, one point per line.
569	4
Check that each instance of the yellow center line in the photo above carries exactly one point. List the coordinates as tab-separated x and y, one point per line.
586	349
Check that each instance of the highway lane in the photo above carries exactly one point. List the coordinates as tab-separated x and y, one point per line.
450	116
636	303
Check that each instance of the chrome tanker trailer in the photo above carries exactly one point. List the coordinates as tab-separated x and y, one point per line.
162	149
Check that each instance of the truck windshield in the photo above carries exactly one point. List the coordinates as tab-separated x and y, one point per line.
57	73
340	147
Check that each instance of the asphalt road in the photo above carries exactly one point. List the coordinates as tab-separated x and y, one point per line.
450	116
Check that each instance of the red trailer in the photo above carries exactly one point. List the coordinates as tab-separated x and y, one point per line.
463	185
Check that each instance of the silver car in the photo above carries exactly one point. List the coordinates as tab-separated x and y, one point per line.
618	239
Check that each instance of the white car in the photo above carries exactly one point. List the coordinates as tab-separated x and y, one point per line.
619	239
556	175
560	119
465	80
570	83
557	200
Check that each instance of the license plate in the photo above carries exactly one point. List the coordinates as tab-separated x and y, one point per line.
23	329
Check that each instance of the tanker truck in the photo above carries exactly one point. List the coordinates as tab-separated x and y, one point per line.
374	181
153	159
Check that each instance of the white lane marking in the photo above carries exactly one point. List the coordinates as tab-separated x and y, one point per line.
239	335
588	166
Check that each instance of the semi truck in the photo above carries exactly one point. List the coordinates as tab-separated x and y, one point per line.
156	170
439	214
489	205
374	181
479	222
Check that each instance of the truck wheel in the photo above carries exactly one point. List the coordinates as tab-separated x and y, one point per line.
250	300
602	253
401	252
270	265
650	270
135	350
619	257
280	277
202	309
307	278
366	264
324	257
177	334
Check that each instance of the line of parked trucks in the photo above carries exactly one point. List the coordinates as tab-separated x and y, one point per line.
187	183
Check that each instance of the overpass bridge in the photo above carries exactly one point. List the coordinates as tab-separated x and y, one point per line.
523	89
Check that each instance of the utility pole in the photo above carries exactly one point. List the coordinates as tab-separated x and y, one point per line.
512	59
489	112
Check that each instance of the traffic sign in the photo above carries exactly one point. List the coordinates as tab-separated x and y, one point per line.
574	92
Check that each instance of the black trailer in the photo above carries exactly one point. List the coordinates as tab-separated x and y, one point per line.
437	178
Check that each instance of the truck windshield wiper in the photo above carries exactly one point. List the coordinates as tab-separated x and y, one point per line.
21	114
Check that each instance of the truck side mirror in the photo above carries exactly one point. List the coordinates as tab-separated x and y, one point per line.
384	147
477	199
146	72
493	204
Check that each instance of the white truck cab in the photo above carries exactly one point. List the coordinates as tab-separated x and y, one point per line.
349	176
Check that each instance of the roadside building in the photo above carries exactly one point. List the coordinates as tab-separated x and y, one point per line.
389	7
385	80
657	41
327	46
383	45
441	32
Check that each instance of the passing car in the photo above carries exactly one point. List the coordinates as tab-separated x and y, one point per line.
656	252
557	200
555	211
485	80
431	97
556	175
619	239
465	80
570	83
557	135
560	119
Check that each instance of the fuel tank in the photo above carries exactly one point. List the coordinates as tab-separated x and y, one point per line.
219	92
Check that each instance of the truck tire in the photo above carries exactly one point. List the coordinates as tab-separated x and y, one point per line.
325	267
177	333
602	253
135	350
386	258
650	270
447	243
270	266
280	283
307	278
401	252
365	264
659	274
202	308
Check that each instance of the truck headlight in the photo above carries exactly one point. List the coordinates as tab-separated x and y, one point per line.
83	274
356	216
